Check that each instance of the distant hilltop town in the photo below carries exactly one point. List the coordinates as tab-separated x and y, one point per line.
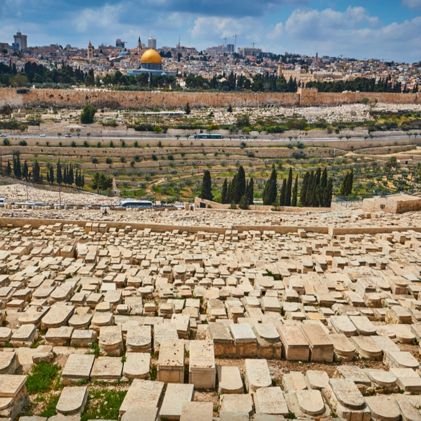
225	67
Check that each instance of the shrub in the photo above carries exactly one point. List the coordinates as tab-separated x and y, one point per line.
87	115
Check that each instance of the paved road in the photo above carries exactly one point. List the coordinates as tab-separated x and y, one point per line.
388	136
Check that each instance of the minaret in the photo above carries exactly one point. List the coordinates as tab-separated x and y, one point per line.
91	51
139	44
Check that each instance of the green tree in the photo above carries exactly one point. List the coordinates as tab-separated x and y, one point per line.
206	192
283	195
25	171
59	173
88	113
187	109
288	192
347	184
250	191
244	202
270	190
17	168
239	185
36	172
294	199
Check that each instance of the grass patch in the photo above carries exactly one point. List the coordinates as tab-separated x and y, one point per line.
103	404
43	377
50	406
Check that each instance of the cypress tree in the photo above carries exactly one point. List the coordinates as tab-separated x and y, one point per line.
304	189
329	193
230	192
51	174
283	195
288	193
250	191
59	173
270	191
36	172
239	187
17	169
71	175
206	192
25	171
224	192
294	199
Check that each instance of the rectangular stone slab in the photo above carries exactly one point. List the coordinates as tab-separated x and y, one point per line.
320	345
78	366
142	393
176	395
270	400
295	343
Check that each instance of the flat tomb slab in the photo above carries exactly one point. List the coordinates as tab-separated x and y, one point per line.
257	374
142	393
175	397
78	367
270	400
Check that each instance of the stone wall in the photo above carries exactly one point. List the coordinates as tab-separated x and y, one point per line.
333	231
177	100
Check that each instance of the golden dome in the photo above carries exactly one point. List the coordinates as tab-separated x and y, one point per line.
151	56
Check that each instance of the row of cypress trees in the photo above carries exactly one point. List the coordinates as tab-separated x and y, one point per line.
65	174
61	174
22	170
238	191
316	189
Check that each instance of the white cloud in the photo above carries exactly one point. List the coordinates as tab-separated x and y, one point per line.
412	3
103	17
352	33
217	28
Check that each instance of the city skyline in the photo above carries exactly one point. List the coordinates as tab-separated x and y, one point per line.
389	30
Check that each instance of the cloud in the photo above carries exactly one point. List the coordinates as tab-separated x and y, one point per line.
217	28
353	33
89	19
231	8
413	4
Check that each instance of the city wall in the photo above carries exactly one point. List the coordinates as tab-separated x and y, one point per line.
177	100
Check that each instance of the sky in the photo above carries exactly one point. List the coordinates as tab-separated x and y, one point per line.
383	29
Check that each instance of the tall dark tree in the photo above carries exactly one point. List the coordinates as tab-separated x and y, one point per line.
224	192
283	194
239	185
36	172
288	192
17	169
347	183
329	193
206	192
270	191
25	171
294	199
304	189
250	191
50	174
59	173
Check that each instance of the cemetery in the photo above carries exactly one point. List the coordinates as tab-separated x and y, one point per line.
210	315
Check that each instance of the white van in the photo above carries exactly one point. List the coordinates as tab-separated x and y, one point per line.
2	201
